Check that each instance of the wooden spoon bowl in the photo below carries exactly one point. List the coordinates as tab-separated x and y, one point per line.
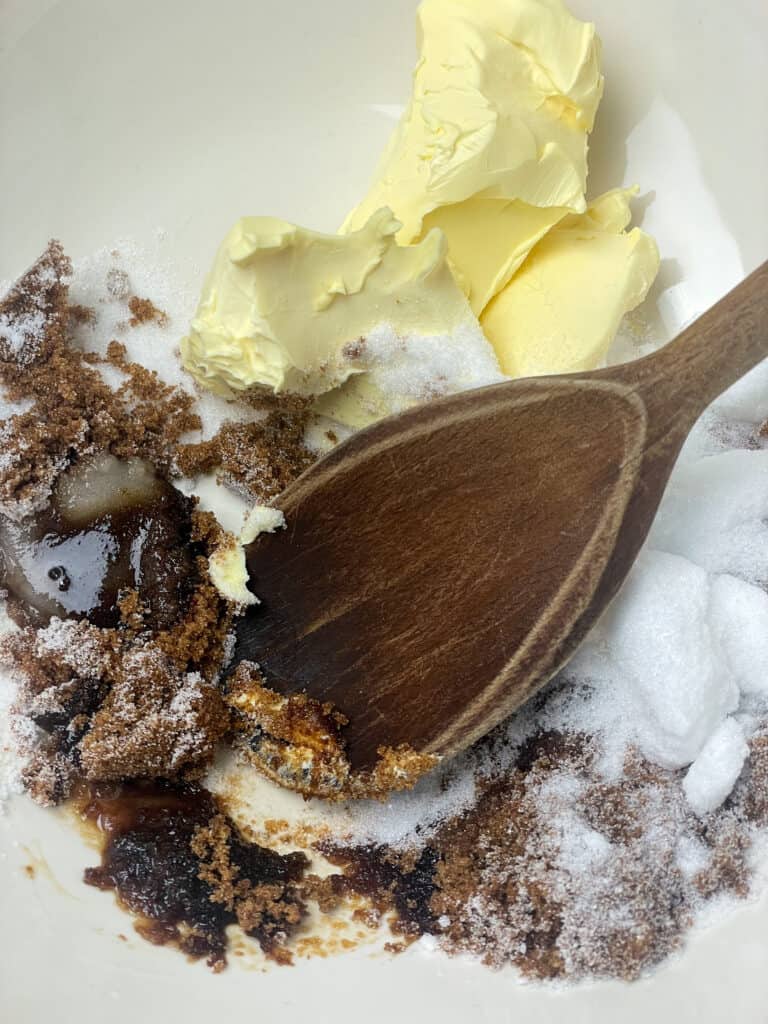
440	567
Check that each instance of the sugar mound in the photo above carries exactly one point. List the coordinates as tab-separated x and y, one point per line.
678	652
712	775
663	653
714	514
739	614
421	366
747	399
105	280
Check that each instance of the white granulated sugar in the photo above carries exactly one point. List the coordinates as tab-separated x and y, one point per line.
149	274
580	848
24	334
421	366
8	408
714	513
10	760
662	647
691	856
409	817
23	331
739	613
712	775
747	399
105	280
677	653
714	433
214	411
7	456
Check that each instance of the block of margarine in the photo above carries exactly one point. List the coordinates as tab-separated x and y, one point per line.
284	307
492	147
561	310
226	563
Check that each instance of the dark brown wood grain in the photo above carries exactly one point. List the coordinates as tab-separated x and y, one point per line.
439	567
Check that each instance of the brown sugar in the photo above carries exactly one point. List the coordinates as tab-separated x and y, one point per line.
34	314
79	314
73	412
142	700
114	704
496	882
154	722
257	459
132	691
259	899
299	743
144	311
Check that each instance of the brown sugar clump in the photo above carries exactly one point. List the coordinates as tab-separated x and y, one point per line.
111	705
138	701
299	743
144	311
257	459
34	313
263	905
73	411
155	722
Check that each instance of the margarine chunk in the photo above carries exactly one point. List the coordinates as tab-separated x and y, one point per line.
229	573
473	255
493	145
561	310
284	308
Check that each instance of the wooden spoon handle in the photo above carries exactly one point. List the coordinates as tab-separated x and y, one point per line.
678	382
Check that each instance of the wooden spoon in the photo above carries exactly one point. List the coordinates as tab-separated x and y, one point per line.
439	567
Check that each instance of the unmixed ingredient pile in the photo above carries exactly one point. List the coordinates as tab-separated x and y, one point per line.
588	833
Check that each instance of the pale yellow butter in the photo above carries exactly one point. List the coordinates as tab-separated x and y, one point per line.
492	147
229	573
561	311
283	307
491	154
261	519
227	563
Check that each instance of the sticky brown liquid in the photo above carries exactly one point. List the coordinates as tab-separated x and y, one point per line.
147	859
368	871
110	527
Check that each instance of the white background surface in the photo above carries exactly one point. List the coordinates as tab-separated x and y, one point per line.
118	119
